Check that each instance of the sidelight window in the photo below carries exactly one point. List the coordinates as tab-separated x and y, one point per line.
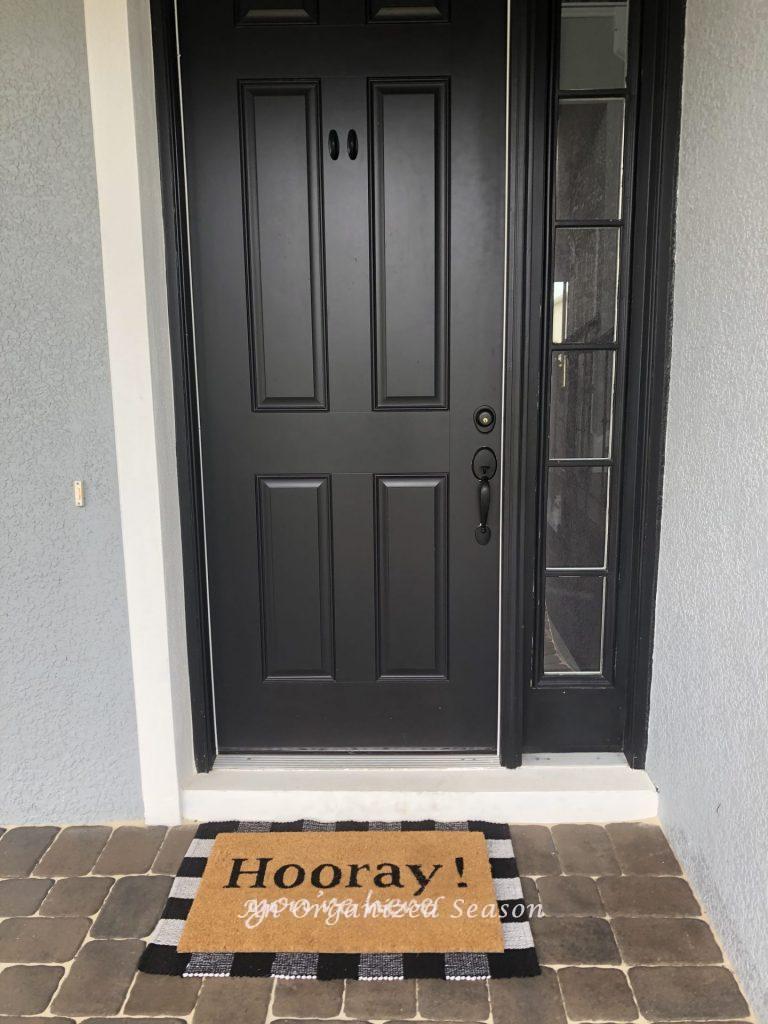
585	346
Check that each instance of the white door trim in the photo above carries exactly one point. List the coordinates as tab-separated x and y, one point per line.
121	77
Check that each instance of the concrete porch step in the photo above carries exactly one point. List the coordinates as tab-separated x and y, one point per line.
546	788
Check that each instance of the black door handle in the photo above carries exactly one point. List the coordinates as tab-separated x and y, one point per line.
484	468
482	532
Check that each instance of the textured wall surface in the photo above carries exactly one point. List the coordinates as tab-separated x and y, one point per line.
68	749
709	702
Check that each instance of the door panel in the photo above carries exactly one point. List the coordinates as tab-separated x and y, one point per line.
348	322
412	577
284	243
408	10
296	577
274	12
408	129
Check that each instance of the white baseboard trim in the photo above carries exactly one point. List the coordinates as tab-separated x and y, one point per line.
538	793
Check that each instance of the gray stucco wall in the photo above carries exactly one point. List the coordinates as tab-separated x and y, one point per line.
709	701
68	748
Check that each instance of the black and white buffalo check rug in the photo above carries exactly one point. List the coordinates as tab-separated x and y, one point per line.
517	960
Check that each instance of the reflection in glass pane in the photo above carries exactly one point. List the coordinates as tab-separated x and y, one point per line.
593	46
577	508
585	286
573	624
580	403
590	143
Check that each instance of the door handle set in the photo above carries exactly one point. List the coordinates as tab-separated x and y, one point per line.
484	467
334	146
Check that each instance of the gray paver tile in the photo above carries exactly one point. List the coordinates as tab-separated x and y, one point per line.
133	907
134	1020
524	1000
21	848
41	940
380	999
28	989
20	897
130	850
171	853
459	1000
36	1020
534	850
99	978
642	849
666	940
585	850
644	895
574	940
597	994
297	998
76	897
687	993
160	994
73	851
233	1001
570	895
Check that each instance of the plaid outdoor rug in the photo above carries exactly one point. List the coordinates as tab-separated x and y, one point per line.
517	960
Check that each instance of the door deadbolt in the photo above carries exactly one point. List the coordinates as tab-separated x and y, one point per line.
485	419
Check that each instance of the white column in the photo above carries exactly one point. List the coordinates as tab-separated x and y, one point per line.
136	428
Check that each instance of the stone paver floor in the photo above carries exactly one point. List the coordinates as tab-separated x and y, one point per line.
621	938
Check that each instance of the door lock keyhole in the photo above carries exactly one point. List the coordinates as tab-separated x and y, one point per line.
485	419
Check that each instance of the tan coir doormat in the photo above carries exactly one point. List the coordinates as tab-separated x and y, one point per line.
361	900
346	892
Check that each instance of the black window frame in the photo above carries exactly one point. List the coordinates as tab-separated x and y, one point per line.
608	712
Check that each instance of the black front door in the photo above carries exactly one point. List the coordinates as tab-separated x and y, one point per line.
346	186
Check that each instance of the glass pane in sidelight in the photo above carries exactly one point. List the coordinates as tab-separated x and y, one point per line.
593	45
577	512
580	405
585	287
590	144
573	624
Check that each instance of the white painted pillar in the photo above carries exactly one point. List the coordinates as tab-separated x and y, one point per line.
136	431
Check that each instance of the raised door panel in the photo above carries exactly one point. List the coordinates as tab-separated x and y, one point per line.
412	576
296	577
409	191
408	10
274	12
284	244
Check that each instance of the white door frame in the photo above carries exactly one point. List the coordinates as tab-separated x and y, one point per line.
121	76
572	788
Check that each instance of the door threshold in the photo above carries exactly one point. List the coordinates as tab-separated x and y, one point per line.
335	762
545	790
